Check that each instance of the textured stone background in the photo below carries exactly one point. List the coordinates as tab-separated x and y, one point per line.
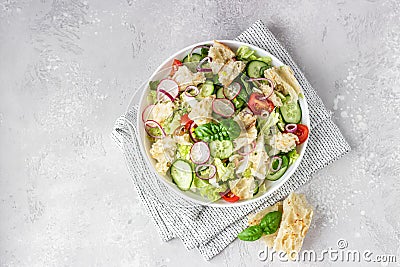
69	68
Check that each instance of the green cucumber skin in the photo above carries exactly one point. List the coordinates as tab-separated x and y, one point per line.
285	109
175	177
275	176
220	93
253	68
207	89
194	58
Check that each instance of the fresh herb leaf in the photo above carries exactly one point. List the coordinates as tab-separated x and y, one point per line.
251	233
232	127
153	85
270	222
211	131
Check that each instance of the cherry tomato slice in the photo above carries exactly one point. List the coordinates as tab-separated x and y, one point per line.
230	197
302	133
257	104
175	65
185	120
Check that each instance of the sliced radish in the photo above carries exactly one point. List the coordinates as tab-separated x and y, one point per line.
203	167
200	152
146	112
232	90
247	149
167	90
151	124
223	107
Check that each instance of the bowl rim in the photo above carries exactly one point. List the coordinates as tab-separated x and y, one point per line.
268	193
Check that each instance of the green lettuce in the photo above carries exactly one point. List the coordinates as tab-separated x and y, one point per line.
244	53
183	151
293	156
224	173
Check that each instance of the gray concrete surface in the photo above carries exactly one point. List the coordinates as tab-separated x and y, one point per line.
69	68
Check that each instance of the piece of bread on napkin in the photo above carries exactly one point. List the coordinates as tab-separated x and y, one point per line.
296	220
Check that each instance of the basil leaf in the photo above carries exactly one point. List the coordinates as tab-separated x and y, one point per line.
210	132
251	233
232	127
270	222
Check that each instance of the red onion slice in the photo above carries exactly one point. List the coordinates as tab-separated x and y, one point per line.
151	124
146	112
202	167
272	163
271	84
200	152
247	149
199	67
291	128
232	91
194	88
191	132
180	130
225	192
223	107
197	47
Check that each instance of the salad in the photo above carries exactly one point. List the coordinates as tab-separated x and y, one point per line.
224	124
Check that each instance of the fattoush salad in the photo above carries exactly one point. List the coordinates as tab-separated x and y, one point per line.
223	124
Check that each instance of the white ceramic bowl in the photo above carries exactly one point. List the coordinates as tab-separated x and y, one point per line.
161	72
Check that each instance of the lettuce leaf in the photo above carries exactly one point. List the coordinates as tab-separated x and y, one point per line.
293	156
183	151
224	173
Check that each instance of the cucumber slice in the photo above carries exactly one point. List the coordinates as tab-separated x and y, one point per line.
182	174
194	58
281	124
206	89
276	175
262	69
254	68
220	93
221	149
291	112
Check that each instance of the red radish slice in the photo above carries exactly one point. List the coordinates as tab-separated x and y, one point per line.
192	91
191	133
200	152
199	168
223	107
151	124
247	149
232	90
167	90
146	112
162	94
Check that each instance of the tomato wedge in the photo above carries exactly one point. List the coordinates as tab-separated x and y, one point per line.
302	133
229	196
186	121
175	65
258	104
